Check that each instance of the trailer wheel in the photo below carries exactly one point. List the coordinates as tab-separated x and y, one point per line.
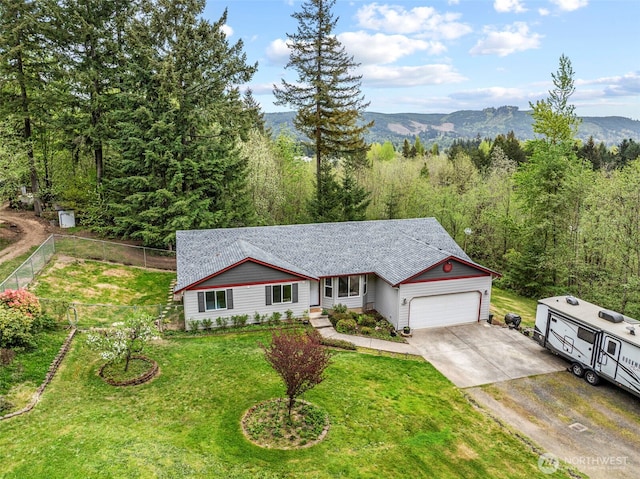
577	369
591	377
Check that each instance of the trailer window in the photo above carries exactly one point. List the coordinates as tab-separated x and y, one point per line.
611	348
586	335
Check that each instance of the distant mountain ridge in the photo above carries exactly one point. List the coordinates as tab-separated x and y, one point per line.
466	124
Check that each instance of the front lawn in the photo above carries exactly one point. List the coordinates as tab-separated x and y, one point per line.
389	418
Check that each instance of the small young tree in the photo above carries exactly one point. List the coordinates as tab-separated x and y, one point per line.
124	340
299	358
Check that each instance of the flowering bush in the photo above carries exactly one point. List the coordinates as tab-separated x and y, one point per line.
123	340
22	300
16	328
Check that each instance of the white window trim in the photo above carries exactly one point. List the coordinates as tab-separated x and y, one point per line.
325	286
282	286
206	303
349	295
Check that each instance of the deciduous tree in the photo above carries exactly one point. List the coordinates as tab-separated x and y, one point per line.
300	360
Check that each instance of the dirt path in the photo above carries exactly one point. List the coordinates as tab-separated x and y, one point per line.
23	229
595	430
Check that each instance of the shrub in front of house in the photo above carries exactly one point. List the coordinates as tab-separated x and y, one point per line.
366	330
346	326
367	321
339	308
338	343
335	317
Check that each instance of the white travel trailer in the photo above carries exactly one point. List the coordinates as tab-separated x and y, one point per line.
599	343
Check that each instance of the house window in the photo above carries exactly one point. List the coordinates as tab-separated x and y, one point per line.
348	286
281	293
216	300
328	287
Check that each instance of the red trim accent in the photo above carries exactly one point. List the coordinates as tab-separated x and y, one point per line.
450	258
252	260
447	279
447	267
238	285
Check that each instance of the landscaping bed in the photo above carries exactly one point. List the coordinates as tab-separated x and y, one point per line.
269	424
370	324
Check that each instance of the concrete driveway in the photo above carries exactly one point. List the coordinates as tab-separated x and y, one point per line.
479	353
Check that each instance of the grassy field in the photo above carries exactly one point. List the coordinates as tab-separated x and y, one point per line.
389	418
105	292
93	282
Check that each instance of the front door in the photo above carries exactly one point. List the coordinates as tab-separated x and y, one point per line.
314	293
608	357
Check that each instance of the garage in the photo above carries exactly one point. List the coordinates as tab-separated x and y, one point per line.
444	310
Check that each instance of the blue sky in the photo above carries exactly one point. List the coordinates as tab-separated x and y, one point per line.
441	56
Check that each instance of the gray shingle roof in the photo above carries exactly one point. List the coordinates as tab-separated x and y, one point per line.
395	250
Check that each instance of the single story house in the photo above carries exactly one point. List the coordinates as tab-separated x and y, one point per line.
409	270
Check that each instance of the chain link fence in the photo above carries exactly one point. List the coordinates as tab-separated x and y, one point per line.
23	275
86	316
87	248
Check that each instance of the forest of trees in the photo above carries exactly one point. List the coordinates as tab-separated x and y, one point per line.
132	113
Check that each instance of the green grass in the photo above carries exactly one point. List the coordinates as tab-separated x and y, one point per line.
20	379
93	282
8	267
503	302
389	418
106	292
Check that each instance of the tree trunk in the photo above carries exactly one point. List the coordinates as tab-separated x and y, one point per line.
33	173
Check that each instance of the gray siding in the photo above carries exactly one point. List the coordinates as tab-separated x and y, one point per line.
387	301
246	300
249	272
415	290
459	270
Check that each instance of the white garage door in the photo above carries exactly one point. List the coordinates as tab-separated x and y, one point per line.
444	310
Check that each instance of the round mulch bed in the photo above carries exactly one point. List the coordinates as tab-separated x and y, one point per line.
268	424
141	369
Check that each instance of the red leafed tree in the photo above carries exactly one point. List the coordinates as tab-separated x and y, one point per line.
299	358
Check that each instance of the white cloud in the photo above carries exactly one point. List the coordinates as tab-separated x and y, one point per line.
409	76
624	85
278	52
514	38
382	49
493	95
227	30
453	2
570	5
505	6
544	12
423	21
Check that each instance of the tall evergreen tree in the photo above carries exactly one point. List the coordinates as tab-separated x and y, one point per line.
327	96
180	118
550	190
554	117
24	70
91	42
